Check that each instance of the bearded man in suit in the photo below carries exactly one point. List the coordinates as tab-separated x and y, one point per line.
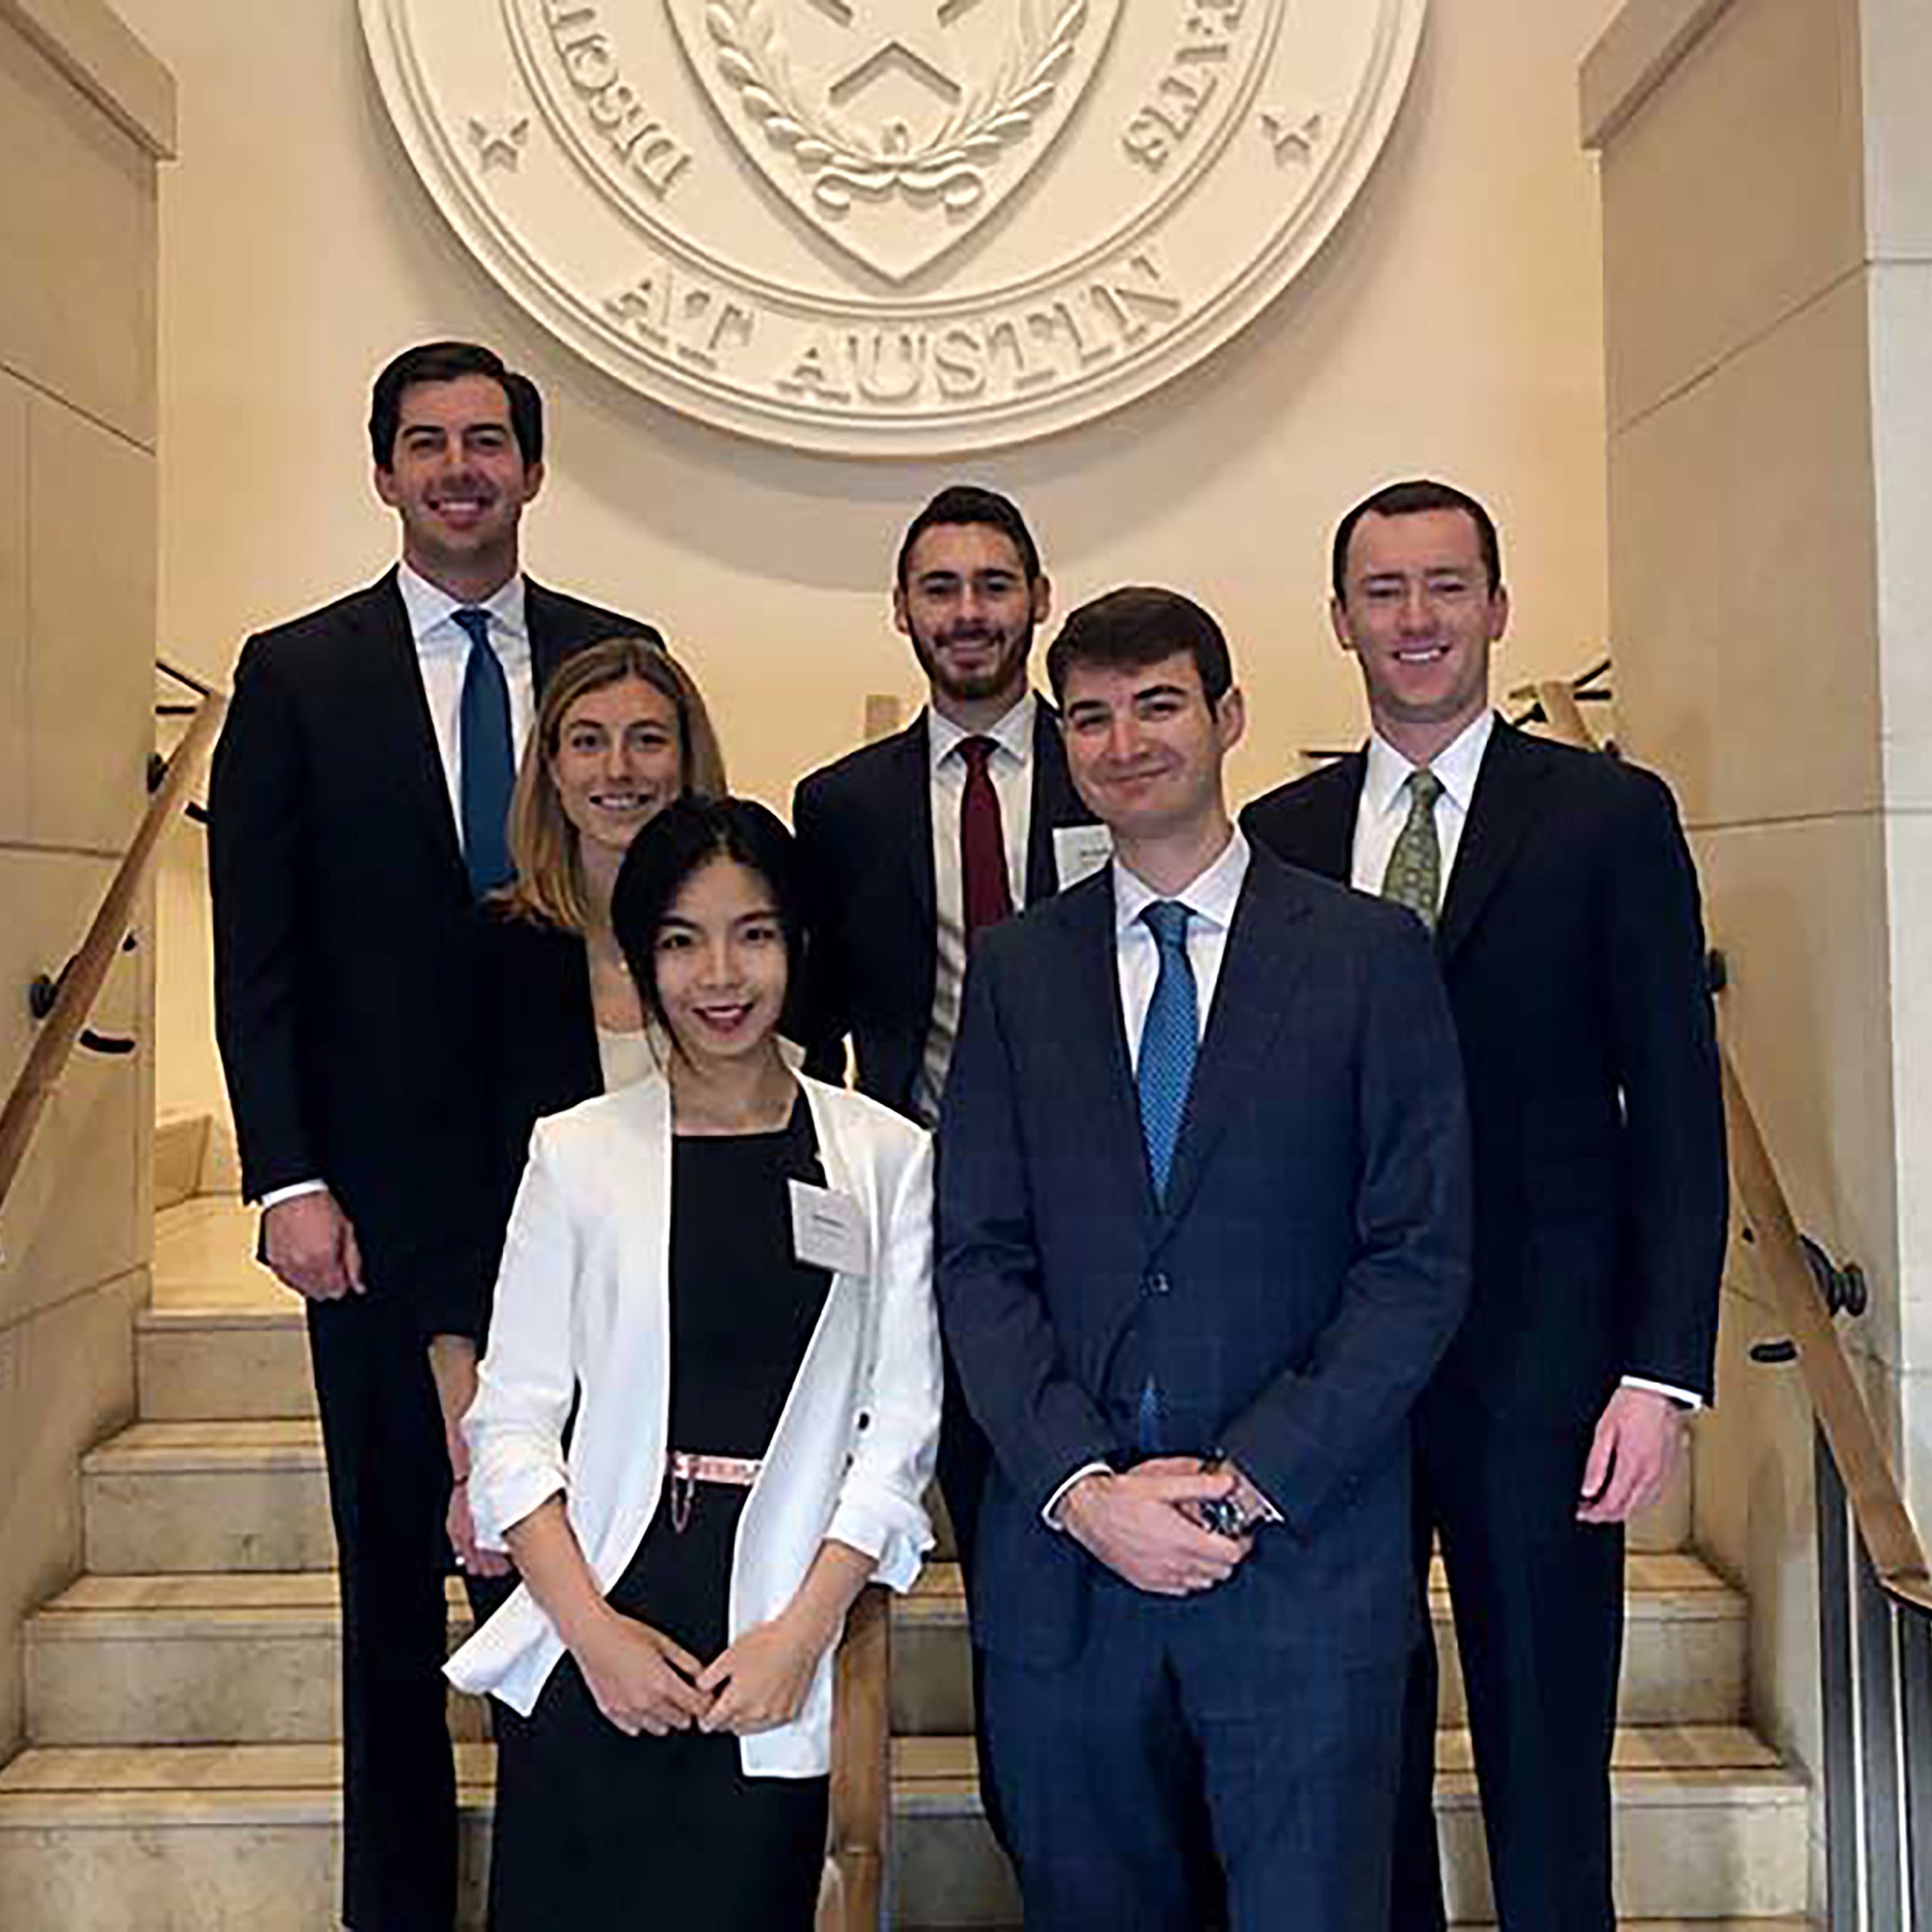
358	815
1563	905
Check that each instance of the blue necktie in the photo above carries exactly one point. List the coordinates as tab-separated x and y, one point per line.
1170	1043
1170	1040
489	761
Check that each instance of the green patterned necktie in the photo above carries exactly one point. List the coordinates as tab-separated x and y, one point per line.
1414	877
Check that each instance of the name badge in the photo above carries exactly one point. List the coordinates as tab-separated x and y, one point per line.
1079	851
827	1230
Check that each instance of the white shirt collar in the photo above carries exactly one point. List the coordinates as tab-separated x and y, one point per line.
1210	895
1014	733
434	628
1457	764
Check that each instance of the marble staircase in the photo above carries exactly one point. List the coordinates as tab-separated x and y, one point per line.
181	1771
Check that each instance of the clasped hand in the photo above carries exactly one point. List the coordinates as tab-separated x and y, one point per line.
643	1682
1140	1525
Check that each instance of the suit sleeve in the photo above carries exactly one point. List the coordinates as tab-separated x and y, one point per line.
825	1014
1040	1421
1317	1425
1676	1198
257	805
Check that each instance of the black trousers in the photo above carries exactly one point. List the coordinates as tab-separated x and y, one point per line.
1539	1607
388	1491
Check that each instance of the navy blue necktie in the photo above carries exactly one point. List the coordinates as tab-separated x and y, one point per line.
489	760
1169	1044
1170	1040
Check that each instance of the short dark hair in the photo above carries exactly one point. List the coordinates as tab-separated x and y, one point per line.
969	503
1412	499
680	842
1128	630
444	362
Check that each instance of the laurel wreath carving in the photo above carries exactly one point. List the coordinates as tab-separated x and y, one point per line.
845	163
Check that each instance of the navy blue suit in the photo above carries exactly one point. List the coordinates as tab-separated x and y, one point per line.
1290	1293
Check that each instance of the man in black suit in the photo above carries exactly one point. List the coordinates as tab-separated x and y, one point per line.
1202	1234
357	815
916	845
1564	913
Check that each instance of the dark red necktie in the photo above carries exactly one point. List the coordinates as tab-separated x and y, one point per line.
988	897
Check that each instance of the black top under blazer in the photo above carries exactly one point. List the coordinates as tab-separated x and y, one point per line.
1290	1292
344	931
864	832
1572	946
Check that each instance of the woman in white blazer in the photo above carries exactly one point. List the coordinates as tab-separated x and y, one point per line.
717	1284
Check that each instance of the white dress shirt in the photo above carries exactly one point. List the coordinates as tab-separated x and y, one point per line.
1379	819
1210	896
1011	770
443	648
1383	809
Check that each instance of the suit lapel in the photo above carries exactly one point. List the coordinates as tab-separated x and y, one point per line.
1501	811
1259	969
1332	806
1096	1036
912	812
1055	803
397	731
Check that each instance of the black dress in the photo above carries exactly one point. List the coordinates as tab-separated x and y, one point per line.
608	1833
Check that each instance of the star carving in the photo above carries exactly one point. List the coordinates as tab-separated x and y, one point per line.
888	34
498	139
1293	137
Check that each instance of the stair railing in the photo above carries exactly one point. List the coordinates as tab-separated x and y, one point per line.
63	1001
1875	1589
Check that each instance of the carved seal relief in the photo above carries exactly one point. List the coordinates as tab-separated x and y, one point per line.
909	227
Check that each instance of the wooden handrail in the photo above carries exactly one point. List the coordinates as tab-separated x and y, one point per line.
81	983
1885	1523
861	1768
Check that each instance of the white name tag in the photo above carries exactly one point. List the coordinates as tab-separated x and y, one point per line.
1079	851
827	1230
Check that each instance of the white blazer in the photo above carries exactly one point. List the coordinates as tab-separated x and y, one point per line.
583	1302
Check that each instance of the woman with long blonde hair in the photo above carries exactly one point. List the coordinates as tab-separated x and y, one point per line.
621	732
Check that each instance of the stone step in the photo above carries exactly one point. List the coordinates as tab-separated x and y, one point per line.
1685	1644
166	1498
207	1838
240	1657
224	1339
1708	1825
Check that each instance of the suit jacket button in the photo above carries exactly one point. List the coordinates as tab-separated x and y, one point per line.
1158	1283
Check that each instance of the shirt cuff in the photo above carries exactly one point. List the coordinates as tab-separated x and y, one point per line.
294	1190
1685	1398
1051	1513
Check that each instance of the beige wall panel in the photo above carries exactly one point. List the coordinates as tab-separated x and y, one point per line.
1909	864
1902	364
73	1218
1743	601
67	1379
1756	1521
14	400
1898	139
1733	196
91	621
1799	911
81	322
